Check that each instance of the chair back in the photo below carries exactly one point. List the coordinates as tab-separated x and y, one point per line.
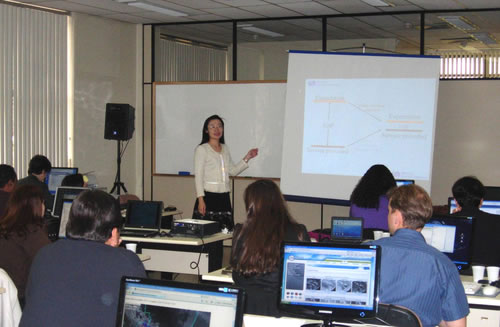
398	316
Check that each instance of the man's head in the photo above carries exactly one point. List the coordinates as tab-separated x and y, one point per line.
39	166
8	178
468	191
95	216
409	207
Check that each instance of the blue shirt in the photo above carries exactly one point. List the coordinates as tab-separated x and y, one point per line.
417	276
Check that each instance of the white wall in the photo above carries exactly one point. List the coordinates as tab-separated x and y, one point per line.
107	68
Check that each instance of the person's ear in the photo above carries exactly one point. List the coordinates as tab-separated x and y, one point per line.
114	240
398	219
459	208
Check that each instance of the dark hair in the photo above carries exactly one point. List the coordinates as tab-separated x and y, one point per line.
23	210
468	191
39	164
261	235
7	174
73	180
93	216
375	182
204	131
414	204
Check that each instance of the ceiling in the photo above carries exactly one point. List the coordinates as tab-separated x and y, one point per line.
404	28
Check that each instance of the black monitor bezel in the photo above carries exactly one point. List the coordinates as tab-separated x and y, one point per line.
47	178
460	266
405	181
327	312
360	238
159	212
240	306
59	198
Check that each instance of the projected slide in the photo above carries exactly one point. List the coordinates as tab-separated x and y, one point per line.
386	120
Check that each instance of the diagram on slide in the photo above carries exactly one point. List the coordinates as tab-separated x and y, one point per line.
351	123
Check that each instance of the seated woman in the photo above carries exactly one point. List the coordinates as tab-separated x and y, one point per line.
22	234
255	254
369	200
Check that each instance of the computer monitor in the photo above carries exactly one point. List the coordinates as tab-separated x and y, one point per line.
65	195
66	208
143	214
401	182
329	281
492	193
56	175
489	206
453	236
152	302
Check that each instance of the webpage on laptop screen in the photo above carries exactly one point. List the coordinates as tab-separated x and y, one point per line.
150	305
334	277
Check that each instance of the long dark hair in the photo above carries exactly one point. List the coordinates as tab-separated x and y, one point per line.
23	211
377	181
204	132
261	235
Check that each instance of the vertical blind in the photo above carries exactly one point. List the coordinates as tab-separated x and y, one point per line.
33	86
458	65
190	62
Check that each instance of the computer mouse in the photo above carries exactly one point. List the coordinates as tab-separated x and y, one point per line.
490	290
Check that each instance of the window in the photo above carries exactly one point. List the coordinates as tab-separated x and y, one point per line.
33	87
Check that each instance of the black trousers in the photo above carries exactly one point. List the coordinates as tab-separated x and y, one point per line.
215	202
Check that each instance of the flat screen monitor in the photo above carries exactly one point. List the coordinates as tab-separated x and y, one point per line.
401	182
64	195
489	206
56	175
347	228
329	281
148	302
453	236
66	208
492	193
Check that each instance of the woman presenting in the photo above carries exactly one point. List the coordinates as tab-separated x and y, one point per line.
213	166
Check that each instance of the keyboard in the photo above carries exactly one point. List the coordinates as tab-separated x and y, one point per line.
138	233
471	287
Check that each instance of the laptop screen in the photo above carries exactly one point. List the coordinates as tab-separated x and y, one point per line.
347	228
64	194
451	235
489	206
331	279
66	208
148	302
56	175
401	182
143	214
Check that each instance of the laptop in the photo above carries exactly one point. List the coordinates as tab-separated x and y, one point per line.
143	218
152	302
56	175
347	230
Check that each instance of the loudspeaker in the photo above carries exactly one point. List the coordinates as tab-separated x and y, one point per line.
119	123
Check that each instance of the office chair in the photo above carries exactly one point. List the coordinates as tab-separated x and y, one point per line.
398	316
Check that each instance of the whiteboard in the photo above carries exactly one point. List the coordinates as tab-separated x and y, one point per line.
253	116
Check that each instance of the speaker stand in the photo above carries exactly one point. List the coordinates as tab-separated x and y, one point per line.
118	185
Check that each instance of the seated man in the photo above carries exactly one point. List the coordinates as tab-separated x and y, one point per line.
76	281
469	193
38	169
416	275
8	179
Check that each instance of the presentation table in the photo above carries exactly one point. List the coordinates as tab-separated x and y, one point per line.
181	254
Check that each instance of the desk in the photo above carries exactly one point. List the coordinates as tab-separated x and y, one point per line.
179	254
484	310
265	321
217	276
143	257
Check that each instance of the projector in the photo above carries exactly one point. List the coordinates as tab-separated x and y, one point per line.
195	227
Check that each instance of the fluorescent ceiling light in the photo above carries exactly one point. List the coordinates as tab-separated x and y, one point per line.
484	37
261	31
459	22
377	3
155	8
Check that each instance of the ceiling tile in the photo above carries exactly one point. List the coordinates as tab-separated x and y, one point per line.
130	19
108	5
436	4
241	3
197	4
207	17
349	6
233	13
76	7
310	8
271	11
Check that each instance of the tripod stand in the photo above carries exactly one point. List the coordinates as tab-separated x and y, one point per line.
118	185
